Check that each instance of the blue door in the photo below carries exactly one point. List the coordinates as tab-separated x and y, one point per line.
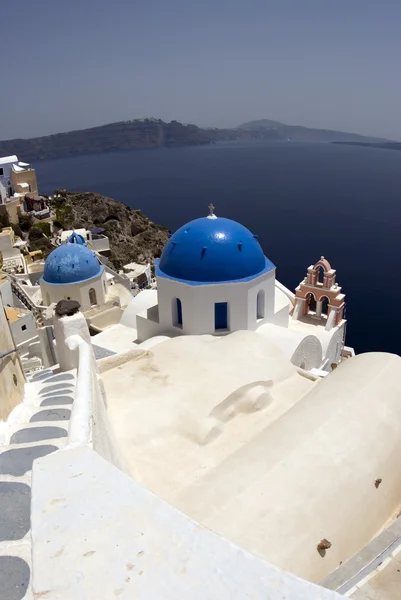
221	315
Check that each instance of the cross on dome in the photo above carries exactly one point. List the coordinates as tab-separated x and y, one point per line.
211	213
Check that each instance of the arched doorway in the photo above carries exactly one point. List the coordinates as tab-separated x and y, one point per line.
176	309
92	297
260	305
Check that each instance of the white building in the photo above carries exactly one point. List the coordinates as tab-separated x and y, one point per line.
13	259
6	188
73	272
96	241
213	278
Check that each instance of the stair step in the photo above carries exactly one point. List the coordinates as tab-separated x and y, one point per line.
14	577
56	388
18	461
51	414
55	400
60	377
37	434
15	510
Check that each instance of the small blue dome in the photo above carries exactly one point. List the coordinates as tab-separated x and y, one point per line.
71	263
76	238
212	250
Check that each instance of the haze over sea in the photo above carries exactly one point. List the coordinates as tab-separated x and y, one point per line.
303	200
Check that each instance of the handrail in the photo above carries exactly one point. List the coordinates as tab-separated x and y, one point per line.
26	300
80	429
7	353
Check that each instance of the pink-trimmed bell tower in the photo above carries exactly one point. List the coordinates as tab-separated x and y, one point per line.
318	296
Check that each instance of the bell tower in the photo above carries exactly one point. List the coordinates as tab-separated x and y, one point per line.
319	297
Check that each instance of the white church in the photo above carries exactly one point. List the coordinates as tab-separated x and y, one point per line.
219	441
213	278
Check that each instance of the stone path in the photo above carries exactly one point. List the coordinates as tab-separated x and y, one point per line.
47	409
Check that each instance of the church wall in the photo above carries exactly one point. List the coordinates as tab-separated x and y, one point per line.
333	353
74	291
198	304
265	283
281	317
308	354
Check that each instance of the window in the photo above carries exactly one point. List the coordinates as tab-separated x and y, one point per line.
1	172
221	315
260	305
23	327
92	297
176	308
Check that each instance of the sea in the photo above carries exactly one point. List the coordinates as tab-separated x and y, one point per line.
303	200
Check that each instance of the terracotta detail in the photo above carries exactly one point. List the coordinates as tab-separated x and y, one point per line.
320	290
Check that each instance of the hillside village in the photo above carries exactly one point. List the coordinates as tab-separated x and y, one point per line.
32	225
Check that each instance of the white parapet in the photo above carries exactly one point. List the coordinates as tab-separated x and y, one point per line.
98	534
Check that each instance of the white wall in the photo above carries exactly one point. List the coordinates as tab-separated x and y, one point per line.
118	278
6	244
315	470
301	349
12	379
7	175
116	539
24	328
198	303
333	353
75	291
6	293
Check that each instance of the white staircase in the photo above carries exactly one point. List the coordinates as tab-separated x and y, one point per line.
37	427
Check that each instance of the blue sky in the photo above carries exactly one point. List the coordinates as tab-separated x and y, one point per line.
320	63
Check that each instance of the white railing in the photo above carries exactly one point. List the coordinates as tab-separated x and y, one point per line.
80	429
89	425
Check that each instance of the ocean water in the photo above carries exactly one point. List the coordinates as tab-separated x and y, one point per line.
303	200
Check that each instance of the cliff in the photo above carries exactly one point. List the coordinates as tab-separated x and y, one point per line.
124	135
155	133
297	133
133	237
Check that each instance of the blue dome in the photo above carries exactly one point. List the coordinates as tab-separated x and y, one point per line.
71	263
76	238
212	250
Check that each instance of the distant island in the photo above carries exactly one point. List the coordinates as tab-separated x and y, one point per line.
382	145
155	133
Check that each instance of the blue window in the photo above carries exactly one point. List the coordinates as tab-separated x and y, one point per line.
221	315
179	312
